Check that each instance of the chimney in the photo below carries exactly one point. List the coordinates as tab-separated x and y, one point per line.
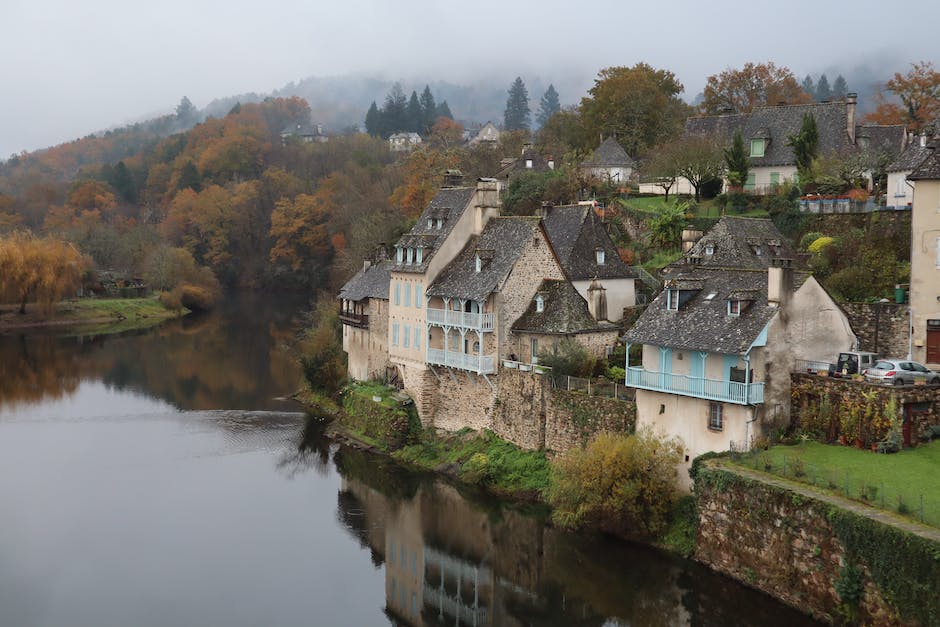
597	300
452	178
779	282
486	203
851	99
545	209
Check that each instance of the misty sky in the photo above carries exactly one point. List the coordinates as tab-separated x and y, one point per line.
73	67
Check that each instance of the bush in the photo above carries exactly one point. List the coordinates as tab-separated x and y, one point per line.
809	238
623	484
323	359
570	359
820	243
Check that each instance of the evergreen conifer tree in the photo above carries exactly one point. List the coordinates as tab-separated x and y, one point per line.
823	91
415	115
373	121
395	111
428	109
443	111
809	86
736	160
548	105
805	145
839	88
517	115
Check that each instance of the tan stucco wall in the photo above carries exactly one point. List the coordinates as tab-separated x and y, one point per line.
621	293
367	349
925	262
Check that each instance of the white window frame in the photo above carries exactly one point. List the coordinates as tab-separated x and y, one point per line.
734	308
539	303
672	299
599	256
399	254
762	143
419	254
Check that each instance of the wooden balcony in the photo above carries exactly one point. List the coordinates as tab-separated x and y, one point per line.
697	387
360	321
481	364
461	319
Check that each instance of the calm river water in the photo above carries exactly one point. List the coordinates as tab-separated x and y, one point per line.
154	479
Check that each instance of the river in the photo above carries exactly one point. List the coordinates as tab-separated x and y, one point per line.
154	478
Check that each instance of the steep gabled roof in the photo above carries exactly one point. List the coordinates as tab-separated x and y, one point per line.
449	205
370	282
751	243
913	156
609	154
539	164
878	139
575	233
500	245
776	124
702	323
929	168
565	311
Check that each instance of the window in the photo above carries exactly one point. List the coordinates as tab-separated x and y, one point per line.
395	334
397	293
479	263
734	308
774	179
757	147
417	337
751	181
419	254
407	336
535	351
410	257
599	256
709	249
419	301
430	223
715	420
407	294
672	300
539	303
528	164
398	254
440	223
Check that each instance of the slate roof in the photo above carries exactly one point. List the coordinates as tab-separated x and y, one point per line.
742	243
301	130
779	122
501	243
565	312
371	282
929	168
887	139
609	153
575	232
913	156
704	324
449	204
539	164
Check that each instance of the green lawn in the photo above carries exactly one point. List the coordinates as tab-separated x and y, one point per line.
98	315
895	482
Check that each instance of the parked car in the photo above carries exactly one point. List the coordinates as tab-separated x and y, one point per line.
899	372
852	362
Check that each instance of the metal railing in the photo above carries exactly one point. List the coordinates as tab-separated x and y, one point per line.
463	319
698	387
593	387
481	364
810	366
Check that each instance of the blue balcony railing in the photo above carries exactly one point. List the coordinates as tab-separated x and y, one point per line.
697	387
481	364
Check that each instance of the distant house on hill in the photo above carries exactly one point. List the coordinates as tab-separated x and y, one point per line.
899	193
529	161
403	142
765	131
609	162
306	133
488	135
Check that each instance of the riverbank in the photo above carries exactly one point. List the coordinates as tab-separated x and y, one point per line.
98	315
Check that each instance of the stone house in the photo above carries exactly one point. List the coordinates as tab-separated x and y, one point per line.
925	260
765	131
305	133
588	257
364	315
720	340
487	135
529	161
403	142
899	193
609	163
556	312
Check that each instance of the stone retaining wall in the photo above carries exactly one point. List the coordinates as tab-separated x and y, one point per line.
881	328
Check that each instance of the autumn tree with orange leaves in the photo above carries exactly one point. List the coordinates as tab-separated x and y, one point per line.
919	95
40	270
754	85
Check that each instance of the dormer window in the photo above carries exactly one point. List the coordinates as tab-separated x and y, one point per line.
709	249
479	263
528	164
757	147
672	300
599	256
410	256
430	223
440	223
539	303
758	249
734	308
399	254
419	254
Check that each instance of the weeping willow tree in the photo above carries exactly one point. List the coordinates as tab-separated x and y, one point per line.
40	270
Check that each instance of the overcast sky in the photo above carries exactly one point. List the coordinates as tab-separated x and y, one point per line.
71	67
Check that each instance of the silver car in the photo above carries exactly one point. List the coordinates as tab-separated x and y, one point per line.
899	372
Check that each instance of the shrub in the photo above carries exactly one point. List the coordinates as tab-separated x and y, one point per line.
809	238
570	359
621	483
819	243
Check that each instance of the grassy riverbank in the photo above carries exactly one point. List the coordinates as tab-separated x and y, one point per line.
100	315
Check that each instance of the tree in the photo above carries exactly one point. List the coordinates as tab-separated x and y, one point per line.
415	115
373	120
805	145
517	115
700	160
839	88
823	91
394	111
621	483
736	160
662	167
41	270
445	134
548	106
754	85
443	111
638	105
186	113
299	229
666	228
919	92
808	85
428	109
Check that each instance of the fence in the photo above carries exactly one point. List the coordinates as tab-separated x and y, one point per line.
906	500
593	387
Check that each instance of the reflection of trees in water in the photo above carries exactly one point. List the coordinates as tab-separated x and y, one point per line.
379	473
312	450
238	358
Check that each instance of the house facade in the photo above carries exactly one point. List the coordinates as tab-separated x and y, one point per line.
403	142
487	135
719	342
364	316
925	260
588	257
899	194
609	163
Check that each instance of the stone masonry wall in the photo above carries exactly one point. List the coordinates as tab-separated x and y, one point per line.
463	400
795	547
881	328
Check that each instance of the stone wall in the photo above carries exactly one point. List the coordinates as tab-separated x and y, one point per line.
463	400
796	548
881	328
919	404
